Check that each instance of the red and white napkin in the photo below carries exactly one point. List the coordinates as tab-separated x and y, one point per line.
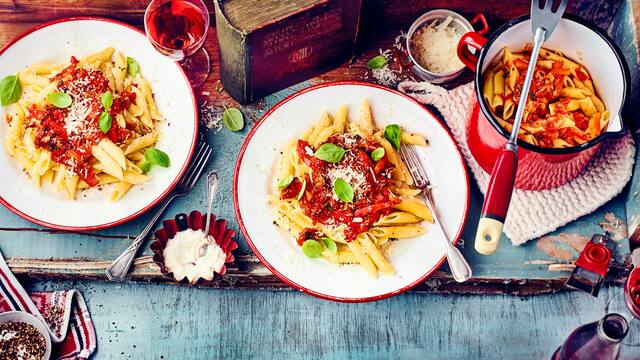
65	313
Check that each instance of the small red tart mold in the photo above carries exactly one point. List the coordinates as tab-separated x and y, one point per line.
195	221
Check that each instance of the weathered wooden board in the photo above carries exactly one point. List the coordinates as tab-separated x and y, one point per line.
532	268
166	322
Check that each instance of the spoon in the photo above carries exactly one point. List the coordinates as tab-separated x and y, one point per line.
212	186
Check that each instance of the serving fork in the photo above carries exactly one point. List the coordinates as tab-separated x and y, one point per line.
544	20
120	266
460	269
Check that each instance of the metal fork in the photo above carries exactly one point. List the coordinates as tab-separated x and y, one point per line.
120	267
496	203
460	269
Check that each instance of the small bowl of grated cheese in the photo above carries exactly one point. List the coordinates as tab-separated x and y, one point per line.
432	43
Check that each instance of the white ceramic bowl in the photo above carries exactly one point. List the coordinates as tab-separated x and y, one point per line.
414	259
21	316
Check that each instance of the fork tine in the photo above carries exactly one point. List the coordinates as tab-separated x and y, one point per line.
197	168
197	154
415	166
201	166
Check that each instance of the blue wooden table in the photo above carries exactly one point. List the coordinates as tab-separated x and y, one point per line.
251	314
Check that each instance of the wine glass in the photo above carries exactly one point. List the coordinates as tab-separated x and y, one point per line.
178	30
632	300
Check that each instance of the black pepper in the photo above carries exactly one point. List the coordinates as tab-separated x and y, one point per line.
20	340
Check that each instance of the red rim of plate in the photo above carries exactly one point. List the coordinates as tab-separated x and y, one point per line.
159	198
273	269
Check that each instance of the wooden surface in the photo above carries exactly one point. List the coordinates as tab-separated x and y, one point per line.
527	269
154	320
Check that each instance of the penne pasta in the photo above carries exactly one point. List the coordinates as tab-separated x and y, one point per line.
320	205
87	154
563	97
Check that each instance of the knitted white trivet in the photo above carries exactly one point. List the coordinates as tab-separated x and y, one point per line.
535	213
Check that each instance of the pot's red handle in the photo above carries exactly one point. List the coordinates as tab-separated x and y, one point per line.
496	202
483	21
475	40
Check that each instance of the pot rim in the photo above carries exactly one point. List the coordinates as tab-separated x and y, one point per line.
555	151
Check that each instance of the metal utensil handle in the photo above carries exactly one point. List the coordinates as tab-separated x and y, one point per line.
538	39
212	185
460	268
120	266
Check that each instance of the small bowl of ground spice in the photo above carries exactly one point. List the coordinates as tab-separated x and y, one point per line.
432	43
23	336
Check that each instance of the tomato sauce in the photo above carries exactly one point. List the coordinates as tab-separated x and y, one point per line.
70	133
369	179
546	88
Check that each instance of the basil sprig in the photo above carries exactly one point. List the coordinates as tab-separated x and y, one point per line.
105	121
312	249
233	119
59	99
329	244
152	157
106	100
330	153
10	90
392	133
285	182
132	67
343	190
377	154
377	62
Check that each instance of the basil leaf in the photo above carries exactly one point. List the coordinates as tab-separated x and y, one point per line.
233	119
330	244
10	90
392	133
312	249
59	99
145	167
132	67
285	182
343	190
377	154
156	157
330	153
105	121
377	62
302	189
106	100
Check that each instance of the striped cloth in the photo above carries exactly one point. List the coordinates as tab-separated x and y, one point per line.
65	313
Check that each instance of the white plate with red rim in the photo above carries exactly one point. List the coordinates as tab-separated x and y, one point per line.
414	259
56	42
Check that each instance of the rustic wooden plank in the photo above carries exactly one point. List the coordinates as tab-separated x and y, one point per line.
248	272
177	322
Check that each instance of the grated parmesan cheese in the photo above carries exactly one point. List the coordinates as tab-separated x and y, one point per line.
434	47
75	122
350	175
211	116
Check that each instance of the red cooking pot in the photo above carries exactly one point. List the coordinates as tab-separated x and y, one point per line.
544	168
